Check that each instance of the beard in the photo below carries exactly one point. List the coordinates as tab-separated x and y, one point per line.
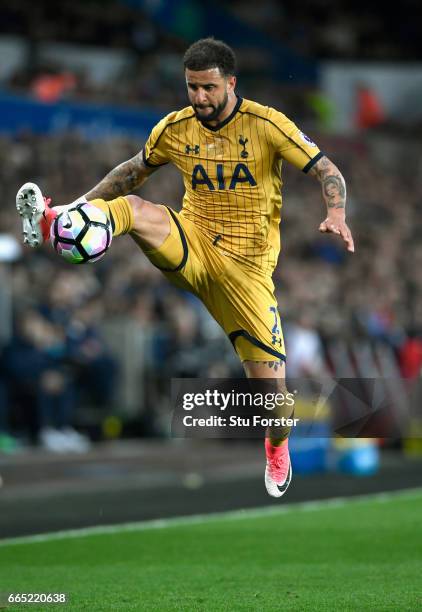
215	112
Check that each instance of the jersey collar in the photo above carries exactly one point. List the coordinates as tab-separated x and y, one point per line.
215	128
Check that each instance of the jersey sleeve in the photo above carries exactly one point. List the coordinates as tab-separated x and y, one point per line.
292	144
155	151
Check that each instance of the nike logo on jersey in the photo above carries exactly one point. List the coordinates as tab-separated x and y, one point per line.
241	174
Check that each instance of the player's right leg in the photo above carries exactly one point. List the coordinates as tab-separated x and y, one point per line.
148	223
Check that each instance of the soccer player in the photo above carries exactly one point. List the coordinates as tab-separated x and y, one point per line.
224	244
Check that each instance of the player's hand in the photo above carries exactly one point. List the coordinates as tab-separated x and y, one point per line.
337	225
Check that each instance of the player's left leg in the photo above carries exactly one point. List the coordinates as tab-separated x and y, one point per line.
278	472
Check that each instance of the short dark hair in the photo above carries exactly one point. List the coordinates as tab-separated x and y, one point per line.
210	53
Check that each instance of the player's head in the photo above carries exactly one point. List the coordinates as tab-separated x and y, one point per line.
210	67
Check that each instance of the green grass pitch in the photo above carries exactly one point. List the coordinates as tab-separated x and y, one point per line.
358	555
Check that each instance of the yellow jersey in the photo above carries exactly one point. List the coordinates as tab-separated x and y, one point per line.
232	175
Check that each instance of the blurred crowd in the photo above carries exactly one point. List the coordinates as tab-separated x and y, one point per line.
108	23
145	76
55	356
318	29
329	29
150	74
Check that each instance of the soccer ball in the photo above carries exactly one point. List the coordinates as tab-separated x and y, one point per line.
81	234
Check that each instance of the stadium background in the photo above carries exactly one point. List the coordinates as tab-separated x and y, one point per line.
90	350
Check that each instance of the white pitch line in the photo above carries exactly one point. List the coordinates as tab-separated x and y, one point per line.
232	515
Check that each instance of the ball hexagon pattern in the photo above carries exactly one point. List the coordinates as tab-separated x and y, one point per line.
81	234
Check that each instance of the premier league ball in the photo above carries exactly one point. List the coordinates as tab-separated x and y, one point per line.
81	234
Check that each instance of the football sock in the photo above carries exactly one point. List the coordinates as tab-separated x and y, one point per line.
273	449
47	219
279	434
120	213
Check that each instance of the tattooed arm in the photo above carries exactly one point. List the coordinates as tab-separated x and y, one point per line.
334	194
122	180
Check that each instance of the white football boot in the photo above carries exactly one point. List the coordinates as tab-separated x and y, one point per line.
278	472
36	215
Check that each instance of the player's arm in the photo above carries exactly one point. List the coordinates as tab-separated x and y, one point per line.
334	194
297	148
122	180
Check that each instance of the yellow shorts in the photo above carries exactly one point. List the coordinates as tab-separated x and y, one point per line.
239	299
